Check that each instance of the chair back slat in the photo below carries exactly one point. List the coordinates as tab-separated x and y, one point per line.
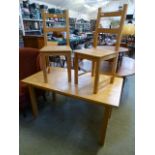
111	14
47	15
106	30
55	29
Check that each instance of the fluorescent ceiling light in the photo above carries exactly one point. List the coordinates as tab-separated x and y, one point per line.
89	7
95	6
96	2
106	2
79	2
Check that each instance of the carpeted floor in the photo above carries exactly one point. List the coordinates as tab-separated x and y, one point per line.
71	127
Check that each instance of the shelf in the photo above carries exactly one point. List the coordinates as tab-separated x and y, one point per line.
39	20
34	20
32	30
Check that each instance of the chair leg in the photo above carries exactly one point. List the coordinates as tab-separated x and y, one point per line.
114	68
76	68
69	67
48	64
96	81
43	57
93	68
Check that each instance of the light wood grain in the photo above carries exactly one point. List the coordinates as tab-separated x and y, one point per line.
33	101
107	111
67	27
111	14
52	43
57	82
47	15
76	68
96	52
97	25
106	30
55	49
119	36
93	68
55	29
96	81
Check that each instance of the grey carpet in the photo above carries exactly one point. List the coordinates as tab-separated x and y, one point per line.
71	127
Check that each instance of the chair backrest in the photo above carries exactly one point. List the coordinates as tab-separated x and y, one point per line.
56	29
116	31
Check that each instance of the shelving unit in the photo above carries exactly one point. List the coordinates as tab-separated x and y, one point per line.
82	25
32	25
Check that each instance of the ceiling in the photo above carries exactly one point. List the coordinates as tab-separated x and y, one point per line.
89	7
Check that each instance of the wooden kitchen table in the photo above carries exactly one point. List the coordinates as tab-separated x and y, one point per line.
108	96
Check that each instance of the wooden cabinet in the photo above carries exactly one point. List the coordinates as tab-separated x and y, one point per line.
33	41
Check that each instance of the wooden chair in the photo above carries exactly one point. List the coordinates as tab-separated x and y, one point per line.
96	54
52	49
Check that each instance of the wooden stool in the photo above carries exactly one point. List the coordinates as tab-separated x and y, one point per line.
51	49
98	54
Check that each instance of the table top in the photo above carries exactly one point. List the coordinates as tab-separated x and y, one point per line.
58	82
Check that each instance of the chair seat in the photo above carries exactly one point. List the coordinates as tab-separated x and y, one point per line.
96	52
51	49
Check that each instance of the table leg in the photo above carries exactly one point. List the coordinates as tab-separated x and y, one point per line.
76	68
107	113
93	68
96	80
33	101
43	59
69	66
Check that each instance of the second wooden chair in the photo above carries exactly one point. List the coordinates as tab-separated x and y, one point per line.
96	54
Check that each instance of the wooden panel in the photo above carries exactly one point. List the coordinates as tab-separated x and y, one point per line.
54	29
111	14
67	27
52	43
33	41
106	30
95	53
58	82
33	101
97	25
47	15
55	49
